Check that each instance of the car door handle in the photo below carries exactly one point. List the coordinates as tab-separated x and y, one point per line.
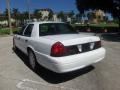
26	40
18	38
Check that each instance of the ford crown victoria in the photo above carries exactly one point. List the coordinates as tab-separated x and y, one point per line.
57	47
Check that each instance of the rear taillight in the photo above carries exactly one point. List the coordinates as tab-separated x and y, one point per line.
98	44
58	49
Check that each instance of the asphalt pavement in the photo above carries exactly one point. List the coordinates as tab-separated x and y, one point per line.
15	73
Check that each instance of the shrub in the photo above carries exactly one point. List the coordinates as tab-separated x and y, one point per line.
7	31
4	32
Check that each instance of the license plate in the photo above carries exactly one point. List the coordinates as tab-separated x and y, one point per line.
80	48
92	46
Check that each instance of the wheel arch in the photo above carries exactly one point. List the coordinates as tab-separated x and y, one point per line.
30	48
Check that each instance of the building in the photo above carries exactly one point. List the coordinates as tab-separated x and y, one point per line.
4	20
96	16
45	14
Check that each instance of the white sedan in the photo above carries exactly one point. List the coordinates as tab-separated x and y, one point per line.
57	47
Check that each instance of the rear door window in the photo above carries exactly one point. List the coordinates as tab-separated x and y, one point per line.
28	30
22	30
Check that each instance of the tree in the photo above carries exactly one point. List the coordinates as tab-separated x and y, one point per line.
5	13
96	16
91	16
111	6
50	16
71	14
16	15
37	14
2	18
106	18
9	16
25	15
61	16
79	17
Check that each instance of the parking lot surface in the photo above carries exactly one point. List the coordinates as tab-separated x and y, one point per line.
15	73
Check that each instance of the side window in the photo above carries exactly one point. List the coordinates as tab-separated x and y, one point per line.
43	29
47	29
28	30
22	30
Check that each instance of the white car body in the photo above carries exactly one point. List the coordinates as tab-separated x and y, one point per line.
41	46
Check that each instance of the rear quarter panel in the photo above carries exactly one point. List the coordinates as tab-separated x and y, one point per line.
41	45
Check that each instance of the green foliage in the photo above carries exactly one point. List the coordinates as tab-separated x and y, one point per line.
37	14
100	25
110	6
50	16
5	13
98	28
71	14
105	25
61	15
6	31
25	15
15	14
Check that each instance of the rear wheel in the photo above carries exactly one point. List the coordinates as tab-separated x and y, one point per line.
32	60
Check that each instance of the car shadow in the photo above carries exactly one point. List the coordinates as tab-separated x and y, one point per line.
52	77
114	37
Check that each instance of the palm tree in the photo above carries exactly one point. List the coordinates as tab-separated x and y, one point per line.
9	16
50	16
61	16
5	13
37	14
25	15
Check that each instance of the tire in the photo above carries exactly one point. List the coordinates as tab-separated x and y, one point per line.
32	60
14	46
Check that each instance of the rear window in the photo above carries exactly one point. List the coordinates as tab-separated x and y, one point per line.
55	28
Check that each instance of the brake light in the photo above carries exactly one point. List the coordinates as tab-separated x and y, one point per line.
98	44
58	49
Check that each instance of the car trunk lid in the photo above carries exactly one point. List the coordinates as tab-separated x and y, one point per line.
72	39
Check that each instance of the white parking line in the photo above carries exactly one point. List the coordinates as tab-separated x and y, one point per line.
21	85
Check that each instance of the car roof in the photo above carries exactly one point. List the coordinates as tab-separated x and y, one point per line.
42	22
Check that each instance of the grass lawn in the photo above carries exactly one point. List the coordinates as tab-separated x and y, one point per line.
98	28
6	31
103	25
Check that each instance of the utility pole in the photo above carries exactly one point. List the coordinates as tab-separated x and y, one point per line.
9	16
28	5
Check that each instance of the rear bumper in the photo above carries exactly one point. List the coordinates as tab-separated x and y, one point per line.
71	63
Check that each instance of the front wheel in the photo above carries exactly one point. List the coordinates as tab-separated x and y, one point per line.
14	46
32	60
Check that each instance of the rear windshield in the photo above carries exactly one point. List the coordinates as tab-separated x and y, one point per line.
55	28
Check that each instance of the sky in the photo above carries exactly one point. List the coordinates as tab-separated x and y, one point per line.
55	5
